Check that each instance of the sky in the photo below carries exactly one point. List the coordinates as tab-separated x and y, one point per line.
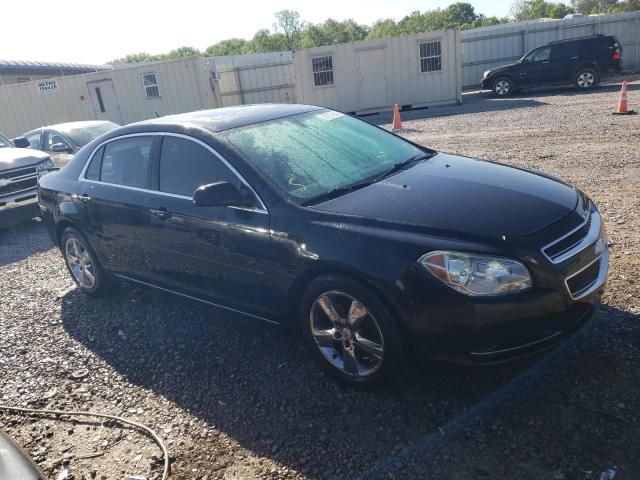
87	31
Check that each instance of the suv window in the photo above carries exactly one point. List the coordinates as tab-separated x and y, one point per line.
51	138
127	162
186	165
34	140
566	50
541	55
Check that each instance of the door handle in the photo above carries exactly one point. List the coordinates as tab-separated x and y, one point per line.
161	213
83	198
545	62
574	58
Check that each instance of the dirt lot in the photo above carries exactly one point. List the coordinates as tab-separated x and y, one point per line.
237	399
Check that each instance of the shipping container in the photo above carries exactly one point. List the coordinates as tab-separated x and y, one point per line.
370	76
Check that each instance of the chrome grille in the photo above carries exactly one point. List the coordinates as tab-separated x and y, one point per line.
18	180
20	172
574	241
584	279
564	245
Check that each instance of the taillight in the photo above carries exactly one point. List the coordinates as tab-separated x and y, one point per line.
617	54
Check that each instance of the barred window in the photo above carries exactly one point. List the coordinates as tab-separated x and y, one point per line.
150	84
322	70
430	56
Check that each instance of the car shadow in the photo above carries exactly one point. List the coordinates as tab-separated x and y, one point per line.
22	240
256	383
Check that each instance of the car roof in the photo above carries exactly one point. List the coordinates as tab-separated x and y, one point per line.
580	39
226	118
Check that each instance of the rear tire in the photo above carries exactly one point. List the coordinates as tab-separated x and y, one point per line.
83	264
352	335
586	79
503	87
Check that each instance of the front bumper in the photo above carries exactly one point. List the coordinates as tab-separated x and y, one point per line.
19	208
448	325
486	83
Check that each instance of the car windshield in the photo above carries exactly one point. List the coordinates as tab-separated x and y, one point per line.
4	141
312	154
83	135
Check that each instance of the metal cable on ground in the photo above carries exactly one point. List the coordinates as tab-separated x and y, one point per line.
156	438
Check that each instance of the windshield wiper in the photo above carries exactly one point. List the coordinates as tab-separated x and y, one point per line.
336	192
403	165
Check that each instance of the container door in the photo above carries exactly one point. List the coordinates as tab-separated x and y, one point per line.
104	100
373	79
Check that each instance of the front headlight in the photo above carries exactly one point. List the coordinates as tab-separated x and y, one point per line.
45	165
476	274
486	74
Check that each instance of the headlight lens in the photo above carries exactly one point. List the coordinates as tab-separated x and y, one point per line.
477	274
45	165
486	73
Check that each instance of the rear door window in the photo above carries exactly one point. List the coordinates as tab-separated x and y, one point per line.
186	165
128	162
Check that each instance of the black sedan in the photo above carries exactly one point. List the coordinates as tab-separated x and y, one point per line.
366	242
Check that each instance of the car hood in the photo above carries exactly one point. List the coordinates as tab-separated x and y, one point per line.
465	195
20	157
501	68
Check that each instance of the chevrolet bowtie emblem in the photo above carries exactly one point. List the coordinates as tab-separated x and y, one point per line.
599	246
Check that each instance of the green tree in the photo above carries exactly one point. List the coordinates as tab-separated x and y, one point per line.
233	46
383	29
290	23
181	52
265	41
594	6
331	32
532	9
461	13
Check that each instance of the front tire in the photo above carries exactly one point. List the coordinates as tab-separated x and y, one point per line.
586	79
350	332
503	87
83	264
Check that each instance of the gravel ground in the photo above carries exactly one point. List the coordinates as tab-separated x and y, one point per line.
236	399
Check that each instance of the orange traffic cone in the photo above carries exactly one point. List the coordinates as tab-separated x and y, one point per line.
397	123
622	103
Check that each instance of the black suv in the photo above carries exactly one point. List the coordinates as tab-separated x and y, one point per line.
579	61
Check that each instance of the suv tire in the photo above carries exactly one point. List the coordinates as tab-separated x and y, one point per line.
586	79
503	87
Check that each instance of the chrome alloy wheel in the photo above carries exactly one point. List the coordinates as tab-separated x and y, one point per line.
502	87
347	334
585	79
80	263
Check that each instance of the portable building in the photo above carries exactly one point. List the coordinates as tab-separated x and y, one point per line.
369	76
123	95
488	47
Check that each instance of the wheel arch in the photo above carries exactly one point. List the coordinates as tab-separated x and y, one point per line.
303	280
61	226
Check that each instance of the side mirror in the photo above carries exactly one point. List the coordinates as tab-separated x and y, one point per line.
21	142
223	194
59	148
